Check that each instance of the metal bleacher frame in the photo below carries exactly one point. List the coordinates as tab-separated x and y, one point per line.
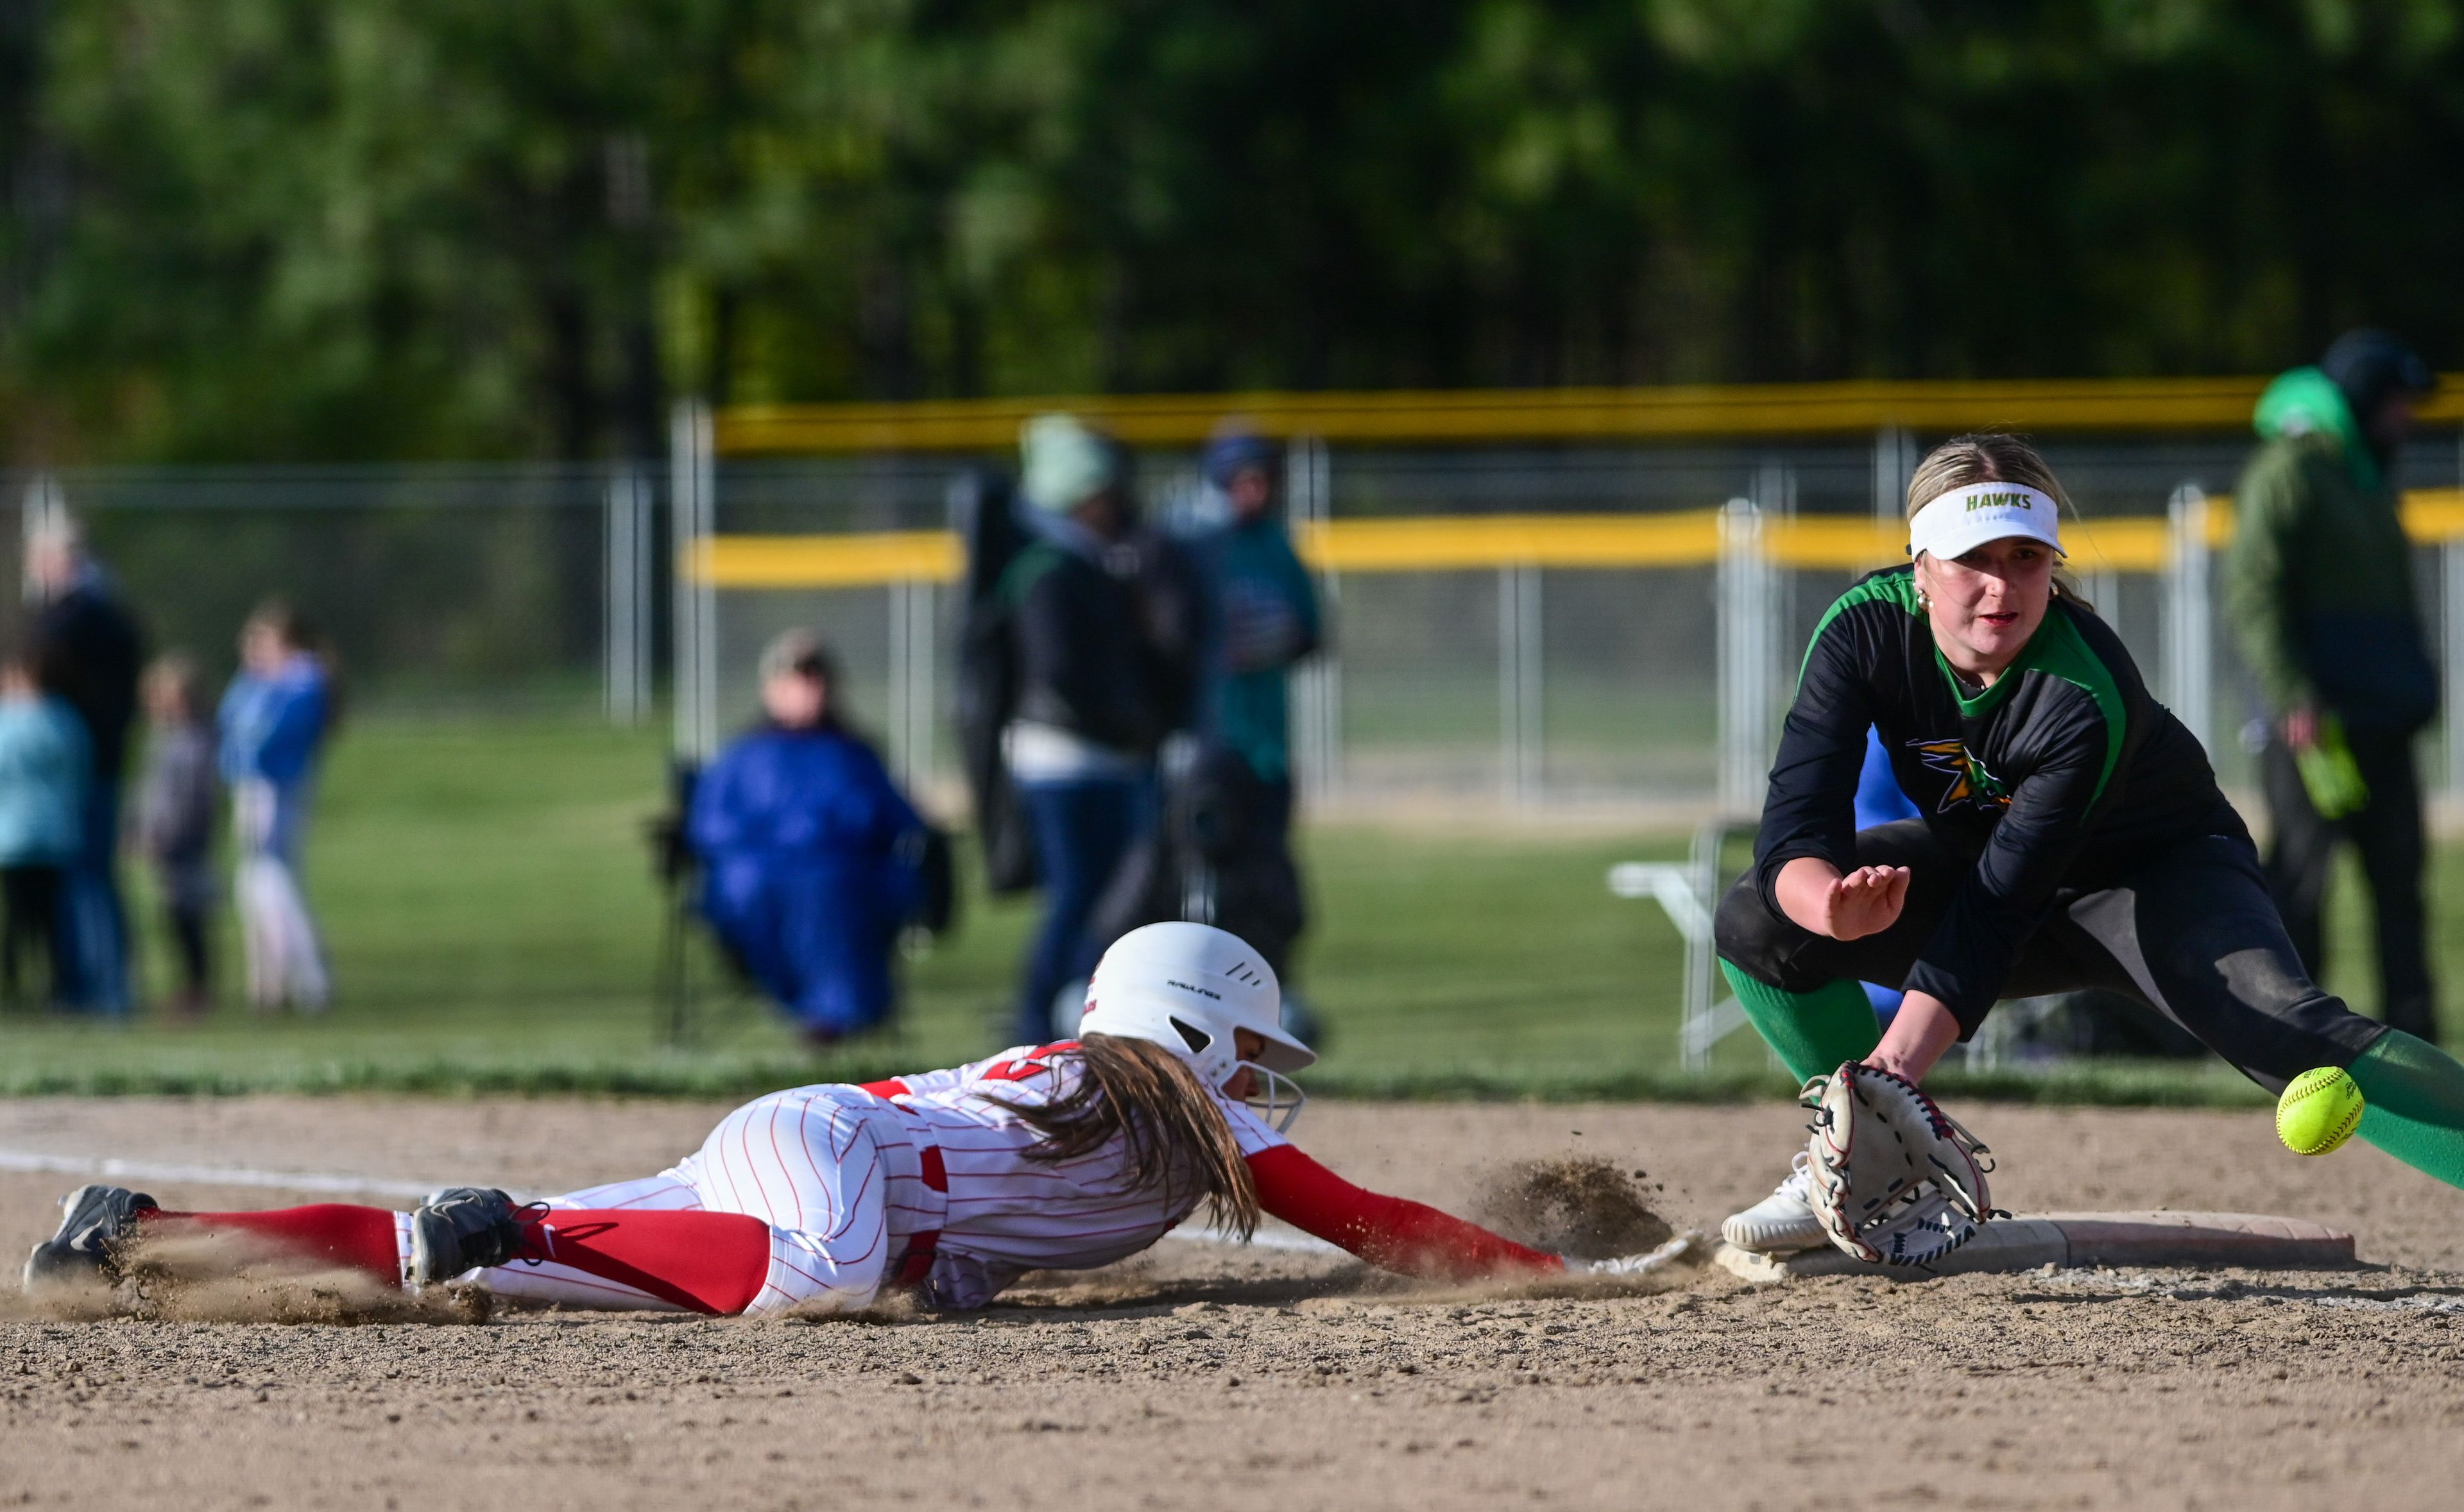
1689	893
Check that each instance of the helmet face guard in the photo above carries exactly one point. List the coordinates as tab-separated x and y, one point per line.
1274	1097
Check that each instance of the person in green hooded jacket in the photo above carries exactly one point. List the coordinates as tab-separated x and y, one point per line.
2318	583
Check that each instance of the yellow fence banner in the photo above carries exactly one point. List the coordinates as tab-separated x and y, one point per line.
1452	543
826	562
1476	543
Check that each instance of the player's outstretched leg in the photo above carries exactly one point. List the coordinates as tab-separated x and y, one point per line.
2413	1096
2199	925
697	1262
99	1225
708	1263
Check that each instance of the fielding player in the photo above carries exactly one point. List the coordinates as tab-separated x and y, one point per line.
1065	1157
2070	835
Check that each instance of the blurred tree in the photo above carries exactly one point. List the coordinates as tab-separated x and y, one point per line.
279	229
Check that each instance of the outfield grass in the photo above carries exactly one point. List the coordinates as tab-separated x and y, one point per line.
493	925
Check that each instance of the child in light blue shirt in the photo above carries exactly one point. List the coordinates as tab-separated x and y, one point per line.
46	761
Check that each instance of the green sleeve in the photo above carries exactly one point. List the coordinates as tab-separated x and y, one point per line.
2260	588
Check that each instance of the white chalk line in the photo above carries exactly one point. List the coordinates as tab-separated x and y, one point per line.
343	1184
113	1169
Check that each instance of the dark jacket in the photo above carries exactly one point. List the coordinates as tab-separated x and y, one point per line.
2319	581
982	517
90	652
1080	646
1169	584
180	792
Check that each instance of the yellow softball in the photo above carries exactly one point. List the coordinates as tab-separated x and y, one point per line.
2318	1112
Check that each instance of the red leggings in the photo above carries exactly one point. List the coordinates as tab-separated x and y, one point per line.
710	1262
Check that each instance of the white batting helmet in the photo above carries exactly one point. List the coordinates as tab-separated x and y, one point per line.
1187	987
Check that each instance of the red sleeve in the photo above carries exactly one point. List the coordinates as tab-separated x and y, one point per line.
1389	1233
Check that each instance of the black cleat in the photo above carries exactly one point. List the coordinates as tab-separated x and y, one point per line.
95	1222
463	1229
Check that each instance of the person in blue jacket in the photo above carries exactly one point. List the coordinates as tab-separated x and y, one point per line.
808	851
273	724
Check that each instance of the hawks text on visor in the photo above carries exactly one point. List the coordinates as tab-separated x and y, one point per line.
1963	519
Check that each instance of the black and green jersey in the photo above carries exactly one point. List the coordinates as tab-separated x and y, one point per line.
2063	774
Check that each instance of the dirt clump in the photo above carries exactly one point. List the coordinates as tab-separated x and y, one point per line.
1582	1206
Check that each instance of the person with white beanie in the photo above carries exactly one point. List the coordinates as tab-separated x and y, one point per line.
1090	704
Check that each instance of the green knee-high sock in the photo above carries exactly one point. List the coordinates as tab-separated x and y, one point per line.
1810	1032
2414	1093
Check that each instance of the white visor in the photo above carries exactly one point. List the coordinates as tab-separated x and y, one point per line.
1963	519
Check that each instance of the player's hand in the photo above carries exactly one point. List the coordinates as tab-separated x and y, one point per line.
2302	727
1866	901
1815	896
1624	1264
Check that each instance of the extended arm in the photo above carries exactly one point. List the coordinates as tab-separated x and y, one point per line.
1807	838
1390	1233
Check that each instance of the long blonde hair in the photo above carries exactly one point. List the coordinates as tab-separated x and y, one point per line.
1994	456
1179	1144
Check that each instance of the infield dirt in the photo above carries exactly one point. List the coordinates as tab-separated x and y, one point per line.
1203	1376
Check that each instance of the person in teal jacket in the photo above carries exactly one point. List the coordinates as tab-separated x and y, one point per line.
44	758
2319	587
1265	620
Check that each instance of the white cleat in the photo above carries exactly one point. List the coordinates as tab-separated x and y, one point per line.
1783	1223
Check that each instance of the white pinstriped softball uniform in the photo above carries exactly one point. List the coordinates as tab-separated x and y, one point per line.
923	1178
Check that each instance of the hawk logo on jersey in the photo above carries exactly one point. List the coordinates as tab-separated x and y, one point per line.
1970	781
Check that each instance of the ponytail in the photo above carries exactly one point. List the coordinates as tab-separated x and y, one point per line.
1179	1143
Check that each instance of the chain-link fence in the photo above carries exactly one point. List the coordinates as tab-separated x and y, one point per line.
1541	681
1528	680
465	587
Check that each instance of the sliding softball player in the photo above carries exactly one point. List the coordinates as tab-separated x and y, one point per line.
953	1183
2070	835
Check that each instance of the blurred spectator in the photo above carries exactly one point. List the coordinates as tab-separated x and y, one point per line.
88	651
809	853
1267	618
1087	703
45	762
275	720
176	801
984	517
2318	583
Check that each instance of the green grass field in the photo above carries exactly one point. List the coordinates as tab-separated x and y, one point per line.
493	925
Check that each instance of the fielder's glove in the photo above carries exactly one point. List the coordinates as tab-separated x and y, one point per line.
1895	1180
